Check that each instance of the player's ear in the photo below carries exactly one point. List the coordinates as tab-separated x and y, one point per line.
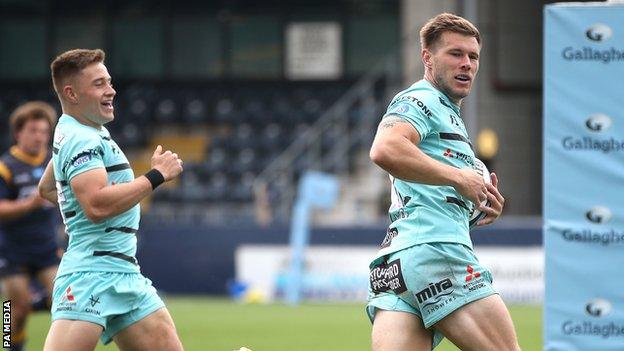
70	94
426	58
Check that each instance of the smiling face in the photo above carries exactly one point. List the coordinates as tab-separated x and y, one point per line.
93	94
451	64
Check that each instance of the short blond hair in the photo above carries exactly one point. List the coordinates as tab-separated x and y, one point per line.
70	63
431	32
31	111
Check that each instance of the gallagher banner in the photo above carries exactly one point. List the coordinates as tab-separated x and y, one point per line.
584	176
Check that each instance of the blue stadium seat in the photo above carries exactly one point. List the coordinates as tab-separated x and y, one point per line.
195	111
217	187
246	161
244	137
217	161
167	111
243	189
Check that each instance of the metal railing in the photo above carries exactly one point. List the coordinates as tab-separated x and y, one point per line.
325	146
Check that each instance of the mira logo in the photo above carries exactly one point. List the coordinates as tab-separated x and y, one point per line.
437	290
598	215
598	308
598	32
598	123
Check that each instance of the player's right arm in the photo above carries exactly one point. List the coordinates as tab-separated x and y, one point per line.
101	201
11	209
395	149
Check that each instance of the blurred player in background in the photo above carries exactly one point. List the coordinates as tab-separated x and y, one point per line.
99	291
27	221
426	282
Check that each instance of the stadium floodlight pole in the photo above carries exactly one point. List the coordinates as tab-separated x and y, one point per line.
316	190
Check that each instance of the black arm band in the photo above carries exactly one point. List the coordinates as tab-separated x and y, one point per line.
155	177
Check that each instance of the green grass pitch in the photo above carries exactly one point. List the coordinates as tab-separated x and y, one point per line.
217	324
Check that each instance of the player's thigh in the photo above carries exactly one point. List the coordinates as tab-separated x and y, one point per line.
399	331
154	332
16	287
72	335
46	277
481	325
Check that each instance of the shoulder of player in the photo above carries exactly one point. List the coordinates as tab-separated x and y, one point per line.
69	141
423	99
8	160
5	157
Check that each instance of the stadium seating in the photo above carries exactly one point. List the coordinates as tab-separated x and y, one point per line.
227	133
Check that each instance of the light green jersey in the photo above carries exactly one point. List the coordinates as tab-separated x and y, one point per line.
423	213
108	246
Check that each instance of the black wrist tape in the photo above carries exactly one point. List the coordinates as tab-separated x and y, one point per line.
155	177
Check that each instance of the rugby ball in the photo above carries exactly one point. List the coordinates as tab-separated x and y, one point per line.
475	214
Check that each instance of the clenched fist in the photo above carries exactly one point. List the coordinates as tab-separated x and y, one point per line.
168	163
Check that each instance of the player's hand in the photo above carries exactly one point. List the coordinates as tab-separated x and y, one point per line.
471	186
35	201
497	202
168	163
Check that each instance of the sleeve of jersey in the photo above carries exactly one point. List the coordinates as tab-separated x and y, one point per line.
81	155
4	189
5	178
417	116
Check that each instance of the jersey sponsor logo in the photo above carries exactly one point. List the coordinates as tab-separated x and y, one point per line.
387	277
460	156
435	291
471	273
67	302
390	234
93	301
474	280
80	160
68	296
83	157
401	108
424	108
399	214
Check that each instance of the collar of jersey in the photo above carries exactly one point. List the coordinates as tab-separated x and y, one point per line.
26	158
71	119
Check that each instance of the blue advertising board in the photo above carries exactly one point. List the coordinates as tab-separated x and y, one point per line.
584	176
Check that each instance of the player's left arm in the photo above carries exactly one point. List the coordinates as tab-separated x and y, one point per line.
47	184
497	202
